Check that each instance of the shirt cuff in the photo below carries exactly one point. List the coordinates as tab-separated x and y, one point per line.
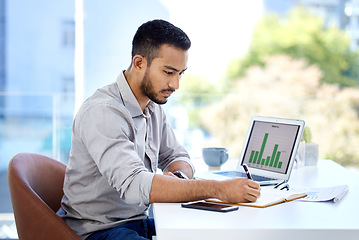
182	159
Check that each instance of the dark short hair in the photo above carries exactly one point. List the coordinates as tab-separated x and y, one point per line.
151	35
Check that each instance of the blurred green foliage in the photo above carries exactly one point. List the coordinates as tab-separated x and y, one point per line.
289	88
196	93
301	36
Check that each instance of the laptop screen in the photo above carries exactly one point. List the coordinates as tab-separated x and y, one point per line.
270	146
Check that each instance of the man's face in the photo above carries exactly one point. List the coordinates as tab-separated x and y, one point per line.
162	78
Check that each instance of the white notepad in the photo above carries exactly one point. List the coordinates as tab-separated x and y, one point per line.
270	197
324	194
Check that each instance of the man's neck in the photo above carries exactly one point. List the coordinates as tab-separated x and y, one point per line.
134	82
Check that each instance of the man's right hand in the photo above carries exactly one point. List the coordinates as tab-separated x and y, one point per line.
238	190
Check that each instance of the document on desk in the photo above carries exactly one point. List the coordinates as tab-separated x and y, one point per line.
269	197
323	194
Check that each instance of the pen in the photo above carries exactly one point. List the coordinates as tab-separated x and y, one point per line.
181	175
249	176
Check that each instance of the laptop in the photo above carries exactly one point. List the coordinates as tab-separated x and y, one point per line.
269	151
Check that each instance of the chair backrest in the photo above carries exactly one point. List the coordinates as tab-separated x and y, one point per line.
35	183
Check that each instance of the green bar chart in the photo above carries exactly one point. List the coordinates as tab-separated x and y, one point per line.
273	160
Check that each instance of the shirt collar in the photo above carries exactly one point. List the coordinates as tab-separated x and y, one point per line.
130	100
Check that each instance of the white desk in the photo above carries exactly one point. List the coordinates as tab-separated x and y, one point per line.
293	220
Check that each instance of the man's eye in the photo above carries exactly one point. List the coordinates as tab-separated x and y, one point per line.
168	73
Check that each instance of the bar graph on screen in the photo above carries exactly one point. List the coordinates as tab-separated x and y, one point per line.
270	146
272	160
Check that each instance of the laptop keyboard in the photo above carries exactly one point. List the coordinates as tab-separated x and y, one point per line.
233	174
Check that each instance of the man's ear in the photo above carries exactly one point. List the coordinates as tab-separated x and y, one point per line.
139	62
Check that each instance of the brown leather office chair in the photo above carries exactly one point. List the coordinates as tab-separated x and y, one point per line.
35	183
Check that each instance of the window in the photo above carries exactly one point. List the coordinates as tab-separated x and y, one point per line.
68	34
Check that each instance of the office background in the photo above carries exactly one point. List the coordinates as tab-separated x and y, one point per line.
54	54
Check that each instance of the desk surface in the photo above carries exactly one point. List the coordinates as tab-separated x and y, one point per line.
293	220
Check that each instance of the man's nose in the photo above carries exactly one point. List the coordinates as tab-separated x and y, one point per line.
174	83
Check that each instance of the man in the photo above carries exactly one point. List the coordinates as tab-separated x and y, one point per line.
121	136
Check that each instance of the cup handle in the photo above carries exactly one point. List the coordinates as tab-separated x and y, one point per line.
225	157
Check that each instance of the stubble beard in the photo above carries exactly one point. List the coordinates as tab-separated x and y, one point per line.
148	90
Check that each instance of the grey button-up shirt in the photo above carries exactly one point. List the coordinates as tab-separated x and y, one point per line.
116	150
